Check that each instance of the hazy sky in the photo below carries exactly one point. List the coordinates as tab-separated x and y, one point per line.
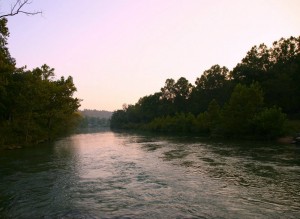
120	50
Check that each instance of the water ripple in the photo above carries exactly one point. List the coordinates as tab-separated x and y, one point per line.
115	175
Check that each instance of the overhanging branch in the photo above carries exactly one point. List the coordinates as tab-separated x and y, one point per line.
17	9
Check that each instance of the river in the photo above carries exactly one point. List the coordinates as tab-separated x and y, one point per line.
123	175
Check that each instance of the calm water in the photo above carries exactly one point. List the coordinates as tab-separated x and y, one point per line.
115	175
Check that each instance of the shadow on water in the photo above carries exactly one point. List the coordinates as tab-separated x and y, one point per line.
32	179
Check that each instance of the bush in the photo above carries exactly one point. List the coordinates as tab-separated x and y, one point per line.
269	122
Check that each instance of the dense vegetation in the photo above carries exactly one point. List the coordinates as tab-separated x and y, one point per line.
34	107
103	114
254	99
94	119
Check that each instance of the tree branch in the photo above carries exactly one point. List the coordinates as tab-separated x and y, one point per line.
17	9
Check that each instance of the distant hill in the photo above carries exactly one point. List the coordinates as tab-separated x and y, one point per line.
96	113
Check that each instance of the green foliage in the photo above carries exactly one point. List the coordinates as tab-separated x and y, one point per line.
269	122
34	106
5	59
254	66
213	78
214	117
277	70
118	119
180	123
237	103
214	83
150	107
93	122
244	103
176	95
39	108
202	123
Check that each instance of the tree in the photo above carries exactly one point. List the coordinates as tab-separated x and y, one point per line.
5	59
213	78
7	67
269	123
282	87
277	70
254	66
33	105
213	84
243	105
7	63
214	116
118	119
176	94
183	91
39	107
17	8
150	107
168	91
244	102
183	88
285	51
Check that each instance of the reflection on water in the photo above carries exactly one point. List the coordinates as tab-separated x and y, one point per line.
115	175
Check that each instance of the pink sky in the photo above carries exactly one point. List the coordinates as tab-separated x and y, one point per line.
120	50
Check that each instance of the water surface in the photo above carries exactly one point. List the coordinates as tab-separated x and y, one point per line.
117	175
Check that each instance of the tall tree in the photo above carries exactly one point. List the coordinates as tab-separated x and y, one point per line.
169	91
183	90
150	107
7	67
213	84
254	66
213	78
176	94
33	105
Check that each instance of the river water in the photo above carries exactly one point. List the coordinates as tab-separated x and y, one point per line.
121	175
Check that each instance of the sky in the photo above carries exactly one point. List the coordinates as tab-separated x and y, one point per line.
118	51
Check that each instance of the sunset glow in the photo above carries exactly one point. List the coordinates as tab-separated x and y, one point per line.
118	51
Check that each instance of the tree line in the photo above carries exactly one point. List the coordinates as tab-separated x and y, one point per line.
34	106
254	99
94	119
